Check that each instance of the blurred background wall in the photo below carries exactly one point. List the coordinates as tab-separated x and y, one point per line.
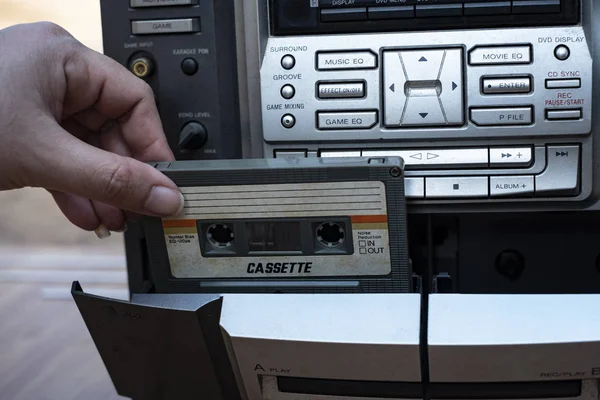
30	222
80	17
45	349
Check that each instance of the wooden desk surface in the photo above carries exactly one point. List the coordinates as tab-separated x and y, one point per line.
46	351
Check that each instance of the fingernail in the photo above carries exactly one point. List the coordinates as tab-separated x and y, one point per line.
102	232
164	201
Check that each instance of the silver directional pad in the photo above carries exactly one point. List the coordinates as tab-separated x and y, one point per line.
423	88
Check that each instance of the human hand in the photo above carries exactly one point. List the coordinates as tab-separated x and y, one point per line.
82	126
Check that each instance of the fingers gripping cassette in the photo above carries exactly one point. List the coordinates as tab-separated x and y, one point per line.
283	225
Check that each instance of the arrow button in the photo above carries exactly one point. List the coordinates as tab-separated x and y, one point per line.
423	111
393	87
417	156
514	156
431	156
422	65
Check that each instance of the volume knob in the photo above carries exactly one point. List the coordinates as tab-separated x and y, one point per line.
192	137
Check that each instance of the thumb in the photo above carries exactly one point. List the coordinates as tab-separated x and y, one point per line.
72	166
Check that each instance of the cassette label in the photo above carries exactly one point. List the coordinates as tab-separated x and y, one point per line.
322	229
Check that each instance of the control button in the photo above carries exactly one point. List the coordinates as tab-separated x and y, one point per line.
343	14
451	79
511	157
161	3
536	6
423	88
400	12
192	137
491	8
346	60
347	120
189	66
502	116
288	121
327	154
436	158
290	153
414	188
394	96
165	26
448	187
500	55
561	176
563	83
421	111
288	91
562	52
507	186
422	65
443	10
506	85
288	61
564	115
341	90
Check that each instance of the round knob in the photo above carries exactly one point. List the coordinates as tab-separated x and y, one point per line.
192	137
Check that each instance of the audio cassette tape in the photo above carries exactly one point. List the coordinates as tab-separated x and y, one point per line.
303	225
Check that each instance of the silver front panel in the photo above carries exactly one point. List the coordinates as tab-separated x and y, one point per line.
337	336
383	60
513	338
527	79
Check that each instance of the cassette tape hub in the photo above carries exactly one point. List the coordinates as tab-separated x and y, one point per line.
494	112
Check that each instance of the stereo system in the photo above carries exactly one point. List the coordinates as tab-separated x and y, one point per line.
483	276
